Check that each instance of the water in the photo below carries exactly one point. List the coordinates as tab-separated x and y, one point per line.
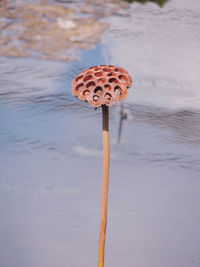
50	156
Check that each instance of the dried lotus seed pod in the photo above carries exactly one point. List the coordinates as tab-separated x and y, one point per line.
102	85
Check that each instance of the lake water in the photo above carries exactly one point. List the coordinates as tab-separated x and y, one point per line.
51	161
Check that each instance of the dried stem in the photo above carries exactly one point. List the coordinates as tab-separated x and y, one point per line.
105	182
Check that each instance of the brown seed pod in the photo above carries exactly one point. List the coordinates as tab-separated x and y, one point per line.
102	85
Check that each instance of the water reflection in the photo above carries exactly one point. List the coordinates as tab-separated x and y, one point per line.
159	2
185	124
55	30
163	64
123	116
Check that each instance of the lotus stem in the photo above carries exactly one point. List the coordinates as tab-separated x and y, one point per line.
105	183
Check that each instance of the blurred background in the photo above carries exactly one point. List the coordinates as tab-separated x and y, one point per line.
50	142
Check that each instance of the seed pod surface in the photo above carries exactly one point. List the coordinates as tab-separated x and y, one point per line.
102	85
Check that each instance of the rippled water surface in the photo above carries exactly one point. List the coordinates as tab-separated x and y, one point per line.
50	156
